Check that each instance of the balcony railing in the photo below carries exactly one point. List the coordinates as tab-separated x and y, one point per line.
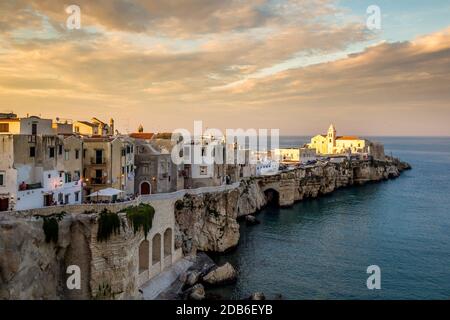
95	160
29	186
97	181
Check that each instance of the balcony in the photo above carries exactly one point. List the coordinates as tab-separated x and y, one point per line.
98	161
26	186
97	181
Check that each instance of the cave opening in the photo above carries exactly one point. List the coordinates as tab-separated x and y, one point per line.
272	197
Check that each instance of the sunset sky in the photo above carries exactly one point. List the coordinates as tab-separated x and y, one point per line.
288	64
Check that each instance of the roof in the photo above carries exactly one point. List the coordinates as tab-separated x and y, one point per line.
88	123
348	138
142	135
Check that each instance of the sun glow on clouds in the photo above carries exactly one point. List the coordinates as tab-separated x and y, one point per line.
289	64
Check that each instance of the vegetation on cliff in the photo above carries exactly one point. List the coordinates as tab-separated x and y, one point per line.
51	226
108	223
141	217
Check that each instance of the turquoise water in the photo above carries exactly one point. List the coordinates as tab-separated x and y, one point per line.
320	249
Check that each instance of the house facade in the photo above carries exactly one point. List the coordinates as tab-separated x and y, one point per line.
108	162
39	171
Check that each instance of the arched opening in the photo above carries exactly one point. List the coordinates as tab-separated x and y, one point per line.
144	249
168	242
272	197
145	188
156	249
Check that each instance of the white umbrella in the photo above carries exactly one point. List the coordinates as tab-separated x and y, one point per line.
108	192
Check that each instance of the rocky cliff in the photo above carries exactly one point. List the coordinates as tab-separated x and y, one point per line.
33	268
207	222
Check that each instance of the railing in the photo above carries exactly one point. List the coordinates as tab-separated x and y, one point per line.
97	181
181	193
31	186
95	160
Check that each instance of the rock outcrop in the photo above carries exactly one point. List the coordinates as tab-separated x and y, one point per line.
31	268
207	222
221	275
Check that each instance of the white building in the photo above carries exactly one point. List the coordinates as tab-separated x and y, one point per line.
39	171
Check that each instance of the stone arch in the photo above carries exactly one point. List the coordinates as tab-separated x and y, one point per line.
156	249
272	196
167	242
144	260
145	188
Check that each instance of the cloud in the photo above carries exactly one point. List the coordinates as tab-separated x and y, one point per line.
174	62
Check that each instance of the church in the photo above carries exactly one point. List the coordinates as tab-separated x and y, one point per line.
330	143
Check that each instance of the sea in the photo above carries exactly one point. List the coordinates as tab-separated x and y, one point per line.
322	248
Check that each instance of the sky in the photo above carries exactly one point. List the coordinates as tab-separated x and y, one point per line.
292	65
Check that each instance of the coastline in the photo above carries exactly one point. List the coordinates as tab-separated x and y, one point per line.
204	222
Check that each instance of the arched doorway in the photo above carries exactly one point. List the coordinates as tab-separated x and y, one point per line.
145	187
144	249
168	242
156	249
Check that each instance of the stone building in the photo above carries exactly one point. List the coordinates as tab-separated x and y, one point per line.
153	169
11	124
332	144
108	162
39	170
94	127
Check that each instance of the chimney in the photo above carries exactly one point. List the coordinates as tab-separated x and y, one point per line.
111	126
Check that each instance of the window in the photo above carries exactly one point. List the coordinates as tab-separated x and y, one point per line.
84	153
68	177
32	152
77	129
77	196
66	155
123	152
66	199
2	179
203	170
4	127
60	148
77	154
76	175
51	152
60	198
34	128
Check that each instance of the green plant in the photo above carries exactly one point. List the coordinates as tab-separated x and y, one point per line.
141	217
51	226
108	223
179	205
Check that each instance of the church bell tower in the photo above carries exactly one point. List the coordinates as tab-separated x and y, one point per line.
331	139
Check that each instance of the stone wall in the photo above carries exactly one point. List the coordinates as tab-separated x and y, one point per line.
201	220
31	268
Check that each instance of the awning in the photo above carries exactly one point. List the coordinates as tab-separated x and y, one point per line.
108	192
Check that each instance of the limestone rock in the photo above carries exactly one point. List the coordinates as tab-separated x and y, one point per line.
192	278
251	220
257	296
197	292
221	275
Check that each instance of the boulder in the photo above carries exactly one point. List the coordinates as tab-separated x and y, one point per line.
197	292
192	278
251	220
221	275
258	296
